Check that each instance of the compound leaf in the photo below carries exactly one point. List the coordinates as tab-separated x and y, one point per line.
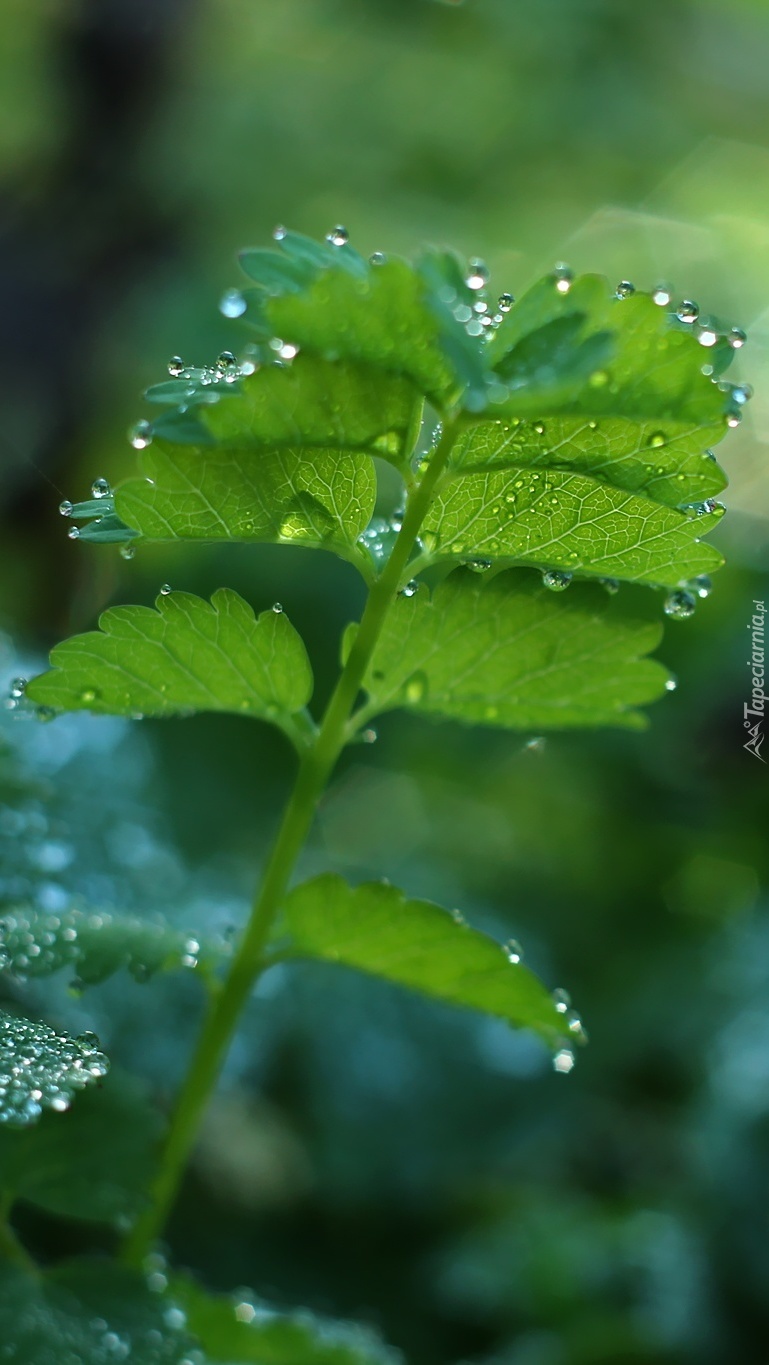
328	300
570	522
87	1312
586	350
95	944
187	655
668	466
506	651
94	1162
311	402
322	498
42	1069
245	1329
377	929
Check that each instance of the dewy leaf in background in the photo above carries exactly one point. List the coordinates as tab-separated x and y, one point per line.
42	1069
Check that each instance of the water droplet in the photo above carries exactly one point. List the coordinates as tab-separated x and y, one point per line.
556	580
73	533
661	296
625	289
478	565
140	435
232	303
702	585
288	350
127	551
680	604
598	379
513	951
539	427
224	360
535	745
563	277
733	420
656	439
65	508
415	688
338	236
478	274
369	736
165	589
707	337
279	232
561	1000
277	608
687	311
88	695
610	585
175	366
505	303
410	589
671	684
742	393
377	258
737	338
18	687
563	1061
100	489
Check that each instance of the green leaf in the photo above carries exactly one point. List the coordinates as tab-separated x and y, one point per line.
245	1329
329	301
584	350
669	467
42	1069
93	1163
567	521
324	499
188	655
87	1312
507	651
311	402
95	944
377	929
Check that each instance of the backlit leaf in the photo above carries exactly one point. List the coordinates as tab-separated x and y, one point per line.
187	655
376	928
506	651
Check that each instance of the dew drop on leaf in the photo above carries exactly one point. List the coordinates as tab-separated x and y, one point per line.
625	289
410	589
175	366
232	304
680	604
563	1061
377	258
737	338
100	489
556	580
338	236
505	303
165	589
656	439
661	296
563	277
74	533
477	275
277	608
127	551
140	435
687	311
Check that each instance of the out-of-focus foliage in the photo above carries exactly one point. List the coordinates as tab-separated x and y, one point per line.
374	1154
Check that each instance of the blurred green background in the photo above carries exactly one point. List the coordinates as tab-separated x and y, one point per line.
372	1154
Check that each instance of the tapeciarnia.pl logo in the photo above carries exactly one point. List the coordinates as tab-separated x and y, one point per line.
753	711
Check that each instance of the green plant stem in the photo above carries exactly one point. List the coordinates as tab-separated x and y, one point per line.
314	771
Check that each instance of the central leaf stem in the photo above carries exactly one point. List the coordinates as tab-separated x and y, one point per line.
314	771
